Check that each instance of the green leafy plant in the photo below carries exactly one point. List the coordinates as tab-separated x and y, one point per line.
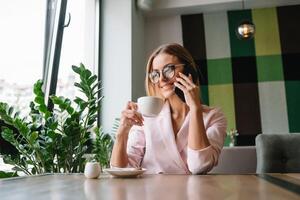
56	140
115	127
7	174
102	147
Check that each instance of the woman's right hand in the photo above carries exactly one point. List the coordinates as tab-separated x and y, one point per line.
130	117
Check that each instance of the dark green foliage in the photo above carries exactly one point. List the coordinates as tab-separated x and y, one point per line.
7	174
102	147
115	126
55	141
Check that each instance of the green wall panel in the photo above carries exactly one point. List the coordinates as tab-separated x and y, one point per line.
239	48
256	82
219	71
222	96
269	68
292	89
273	107
214	24
289	29
267	41
204	94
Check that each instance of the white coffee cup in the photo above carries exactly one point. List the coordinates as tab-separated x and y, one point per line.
150	106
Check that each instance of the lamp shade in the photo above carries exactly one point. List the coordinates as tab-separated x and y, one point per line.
245	30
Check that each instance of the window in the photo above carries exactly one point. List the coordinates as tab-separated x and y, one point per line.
80	44
22	47
22	42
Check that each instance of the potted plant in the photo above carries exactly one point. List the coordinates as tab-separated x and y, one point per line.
54	141
99	159
232	136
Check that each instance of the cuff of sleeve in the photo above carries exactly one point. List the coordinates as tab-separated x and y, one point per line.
200	150
201	161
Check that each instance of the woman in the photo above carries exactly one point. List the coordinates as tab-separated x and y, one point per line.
186	137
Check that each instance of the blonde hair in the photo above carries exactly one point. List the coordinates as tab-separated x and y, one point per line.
183	56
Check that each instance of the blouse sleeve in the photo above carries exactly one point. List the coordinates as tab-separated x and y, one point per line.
202	161
136	146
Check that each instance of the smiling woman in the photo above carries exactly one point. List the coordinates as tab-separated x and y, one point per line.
186	137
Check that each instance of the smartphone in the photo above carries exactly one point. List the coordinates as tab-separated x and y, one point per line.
187	70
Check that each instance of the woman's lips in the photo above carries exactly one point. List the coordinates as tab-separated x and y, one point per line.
167	86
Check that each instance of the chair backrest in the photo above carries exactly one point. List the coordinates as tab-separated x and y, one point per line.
278	153
236	160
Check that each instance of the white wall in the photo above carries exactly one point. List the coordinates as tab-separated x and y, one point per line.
116	59
161	30
122	58
138	54
91	35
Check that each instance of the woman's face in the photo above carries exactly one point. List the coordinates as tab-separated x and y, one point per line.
165	86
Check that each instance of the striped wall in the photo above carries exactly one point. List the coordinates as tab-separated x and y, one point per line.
256	82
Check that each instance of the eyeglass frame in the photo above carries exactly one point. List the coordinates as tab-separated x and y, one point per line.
160	72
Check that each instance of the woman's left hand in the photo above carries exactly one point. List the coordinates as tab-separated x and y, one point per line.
190	90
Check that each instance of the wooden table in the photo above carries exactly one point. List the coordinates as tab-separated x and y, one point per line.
186	187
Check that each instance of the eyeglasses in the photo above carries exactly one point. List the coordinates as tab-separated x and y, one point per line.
167	72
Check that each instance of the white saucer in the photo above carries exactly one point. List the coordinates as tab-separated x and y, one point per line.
125	172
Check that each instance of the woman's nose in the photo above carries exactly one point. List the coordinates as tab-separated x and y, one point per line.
162	78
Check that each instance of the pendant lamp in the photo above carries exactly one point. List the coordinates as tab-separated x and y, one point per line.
245	29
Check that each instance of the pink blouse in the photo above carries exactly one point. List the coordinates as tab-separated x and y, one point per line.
153	146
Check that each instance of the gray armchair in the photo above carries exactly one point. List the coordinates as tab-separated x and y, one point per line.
278	153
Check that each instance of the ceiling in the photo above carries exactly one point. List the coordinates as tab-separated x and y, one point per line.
175	7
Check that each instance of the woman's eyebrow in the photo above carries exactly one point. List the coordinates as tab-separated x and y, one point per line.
163	66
